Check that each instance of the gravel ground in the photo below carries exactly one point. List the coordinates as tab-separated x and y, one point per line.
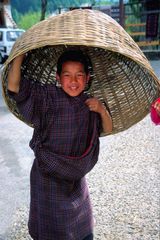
124	188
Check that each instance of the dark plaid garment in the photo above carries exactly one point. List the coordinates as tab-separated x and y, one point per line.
66	147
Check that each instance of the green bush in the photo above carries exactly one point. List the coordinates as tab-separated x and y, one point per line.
28	20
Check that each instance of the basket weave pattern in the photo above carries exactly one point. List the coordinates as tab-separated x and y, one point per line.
122	77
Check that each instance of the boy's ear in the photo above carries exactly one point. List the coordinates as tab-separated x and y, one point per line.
88	78
57	77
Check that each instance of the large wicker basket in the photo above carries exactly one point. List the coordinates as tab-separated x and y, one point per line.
122	76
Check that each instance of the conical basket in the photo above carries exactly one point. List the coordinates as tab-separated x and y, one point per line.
122	78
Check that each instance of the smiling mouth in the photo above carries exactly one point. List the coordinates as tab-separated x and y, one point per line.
73	87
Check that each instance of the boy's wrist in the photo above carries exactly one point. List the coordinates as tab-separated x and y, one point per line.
104	113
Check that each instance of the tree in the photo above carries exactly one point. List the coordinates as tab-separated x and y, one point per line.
43	9
136	7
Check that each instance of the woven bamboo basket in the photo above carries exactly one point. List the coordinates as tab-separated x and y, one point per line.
122	77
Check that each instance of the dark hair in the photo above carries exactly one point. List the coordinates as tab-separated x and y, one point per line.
75	56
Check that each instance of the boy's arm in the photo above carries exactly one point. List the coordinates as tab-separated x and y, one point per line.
96	106
14	75
106	121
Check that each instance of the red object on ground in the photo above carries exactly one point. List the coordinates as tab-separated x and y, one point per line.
154	115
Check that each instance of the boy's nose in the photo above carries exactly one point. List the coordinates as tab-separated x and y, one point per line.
74	79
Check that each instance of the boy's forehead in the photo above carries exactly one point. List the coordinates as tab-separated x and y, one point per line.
72	62
69	64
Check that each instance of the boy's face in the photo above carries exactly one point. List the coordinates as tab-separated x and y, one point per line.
73	78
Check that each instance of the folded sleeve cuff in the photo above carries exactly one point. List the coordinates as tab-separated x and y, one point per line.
23	93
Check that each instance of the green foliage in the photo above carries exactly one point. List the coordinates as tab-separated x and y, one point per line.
28	12
52	5
15	15
135	9
24	6
136	6
28	20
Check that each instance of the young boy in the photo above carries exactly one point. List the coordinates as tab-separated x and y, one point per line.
65	142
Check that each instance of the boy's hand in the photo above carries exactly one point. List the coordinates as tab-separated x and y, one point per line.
95	105
157	107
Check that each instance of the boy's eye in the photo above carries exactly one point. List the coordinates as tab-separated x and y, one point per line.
66	74
80	74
